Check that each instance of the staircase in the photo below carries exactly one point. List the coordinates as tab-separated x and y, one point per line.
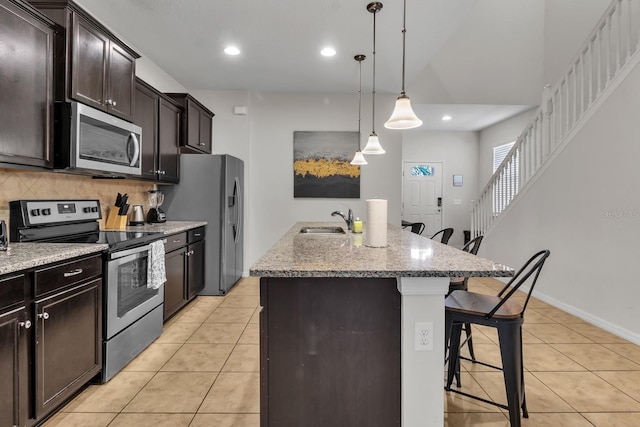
606	58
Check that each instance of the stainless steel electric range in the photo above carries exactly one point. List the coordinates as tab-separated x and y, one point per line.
132	310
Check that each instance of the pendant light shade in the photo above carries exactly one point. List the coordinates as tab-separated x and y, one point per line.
403	116
373	144
358	159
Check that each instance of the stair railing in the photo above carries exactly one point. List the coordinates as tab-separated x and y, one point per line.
603	57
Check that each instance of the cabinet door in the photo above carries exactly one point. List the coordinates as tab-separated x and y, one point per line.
13	368
26	85
205	132
174	287
169	141
146	116
121	75
68	343
195	268
90	50
193	125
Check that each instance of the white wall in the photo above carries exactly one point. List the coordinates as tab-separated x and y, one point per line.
459	153
156	77
273	119
501	133
560	45
585	208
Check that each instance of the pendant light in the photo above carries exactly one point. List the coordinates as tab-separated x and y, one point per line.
359	159
373	144
403	116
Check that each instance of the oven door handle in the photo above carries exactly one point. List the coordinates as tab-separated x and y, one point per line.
128	252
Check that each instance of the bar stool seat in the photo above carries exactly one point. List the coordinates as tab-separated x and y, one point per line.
507	316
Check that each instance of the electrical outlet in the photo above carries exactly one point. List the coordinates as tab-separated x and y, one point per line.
424	336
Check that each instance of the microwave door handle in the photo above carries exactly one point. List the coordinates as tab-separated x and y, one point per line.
136	146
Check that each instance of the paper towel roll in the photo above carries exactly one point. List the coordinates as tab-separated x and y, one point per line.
376	225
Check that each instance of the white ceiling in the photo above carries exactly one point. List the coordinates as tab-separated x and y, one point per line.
460	53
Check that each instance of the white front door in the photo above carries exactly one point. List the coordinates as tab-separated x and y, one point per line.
422	195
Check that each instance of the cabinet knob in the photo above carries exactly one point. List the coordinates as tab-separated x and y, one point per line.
44	315
113	103
202	144
26	324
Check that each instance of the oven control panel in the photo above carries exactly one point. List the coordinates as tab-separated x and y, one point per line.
42	212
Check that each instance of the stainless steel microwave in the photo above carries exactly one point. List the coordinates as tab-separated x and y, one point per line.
86	139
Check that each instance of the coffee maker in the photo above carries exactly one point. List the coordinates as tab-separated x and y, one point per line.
155	214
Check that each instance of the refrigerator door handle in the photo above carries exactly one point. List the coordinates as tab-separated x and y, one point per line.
238	203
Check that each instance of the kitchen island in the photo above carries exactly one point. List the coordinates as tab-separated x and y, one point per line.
352	335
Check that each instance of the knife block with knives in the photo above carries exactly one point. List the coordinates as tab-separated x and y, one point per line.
117	217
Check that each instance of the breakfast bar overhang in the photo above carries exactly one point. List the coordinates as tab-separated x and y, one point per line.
352	335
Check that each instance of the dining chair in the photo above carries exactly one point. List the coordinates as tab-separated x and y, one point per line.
446	235
507	316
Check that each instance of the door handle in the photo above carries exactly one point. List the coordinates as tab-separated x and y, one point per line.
439	201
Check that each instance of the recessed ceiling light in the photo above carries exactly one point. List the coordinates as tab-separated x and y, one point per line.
446	117
328	51
232	50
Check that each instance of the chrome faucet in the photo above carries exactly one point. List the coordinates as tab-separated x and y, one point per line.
348	219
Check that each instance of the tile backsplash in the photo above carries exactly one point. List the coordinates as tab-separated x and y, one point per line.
25	185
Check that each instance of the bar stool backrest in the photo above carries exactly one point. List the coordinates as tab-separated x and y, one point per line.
530	270
446	235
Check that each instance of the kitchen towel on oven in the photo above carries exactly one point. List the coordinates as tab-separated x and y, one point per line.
156	274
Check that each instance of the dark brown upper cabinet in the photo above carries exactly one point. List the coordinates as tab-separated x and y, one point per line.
159	118
196	124
93	66
26	84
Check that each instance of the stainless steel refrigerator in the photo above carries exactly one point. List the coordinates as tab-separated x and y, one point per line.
211	189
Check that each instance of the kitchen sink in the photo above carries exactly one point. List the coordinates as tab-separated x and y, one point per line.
322	230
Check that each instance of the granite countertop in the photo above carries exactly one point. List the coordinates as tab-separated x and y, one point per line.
23	256
169	227
346	255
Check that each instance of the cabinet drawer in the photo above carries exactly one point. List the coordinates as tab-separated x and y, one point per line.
62	275
11	291
196	234
175	241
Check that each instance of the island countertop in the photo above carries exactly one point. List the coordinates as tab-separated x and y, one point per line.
346	255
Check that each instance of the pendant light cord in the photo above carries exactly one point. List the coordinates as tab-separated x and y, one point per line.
373	103
359	59
404	33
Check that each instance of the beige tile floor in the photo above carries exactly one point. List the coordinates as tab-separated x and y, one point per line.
204	372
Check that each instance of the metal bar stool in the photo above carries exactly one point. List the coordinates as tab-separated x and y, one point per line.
461	284
446	235
506	316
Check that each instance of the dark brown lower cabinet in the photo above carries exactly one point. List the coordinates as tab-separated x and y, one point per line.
184	265
174	295
195	268
14	363
330	352
68	343
50	337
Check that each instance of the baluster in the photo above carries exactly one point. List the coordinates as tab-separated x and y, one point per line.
600	59
609	47
619	37
630	26
591	64
574	90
